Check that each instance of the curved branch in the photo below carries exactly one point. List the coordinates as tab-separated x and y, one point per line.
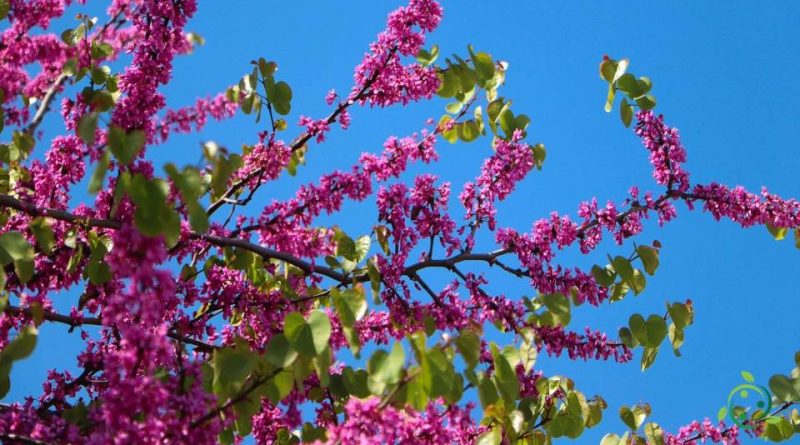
97	321
301	140
44	107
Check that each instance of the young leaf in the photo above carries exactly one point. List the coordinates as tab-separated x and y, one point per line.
99	174
86	128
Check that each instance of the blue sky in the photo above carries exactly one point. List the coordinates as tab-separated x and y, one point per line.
723	72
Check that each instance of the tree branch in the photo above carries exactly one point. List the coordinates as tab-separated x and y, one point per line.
45	105
301	140
241	396
96	321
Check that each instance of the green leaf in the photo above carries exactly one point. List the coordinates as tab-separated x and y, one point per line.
539	155
627	83
610	439
453	107
468	131
505	377
231	367
438	375
309	338
676	337
638	328
5	6
637	282
374	280
248	102
448	83
382	233
86	128
647	102
656	330
618	291
608	67
279	352
15	248
483	64
385	368
351	306
43	233
266	68
622	66
648	357
778	430
154	216
680	315
487	392
450	134
427	58
654	434
78	415
784	388
362	245
626	336
279	387
491	437
778	233
612	93
603	275
97	270
626	113
223	170
22	143
99	174
280	95
649	257
558	310
322	364
23	344
5	385
623	267
313	433
125	146
469	345
356	382
628	418
345	246
190	185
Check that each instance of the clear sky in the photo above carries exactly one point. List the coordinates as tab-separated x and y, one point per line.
724	72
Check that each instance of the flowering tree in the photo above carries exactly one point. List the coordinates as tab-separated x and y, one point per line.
201	325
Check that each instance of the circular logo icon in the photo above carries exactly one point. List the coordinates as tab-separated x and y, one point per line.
763	405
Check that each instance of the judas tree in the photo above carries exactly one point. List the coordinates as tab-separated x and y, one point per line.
209	312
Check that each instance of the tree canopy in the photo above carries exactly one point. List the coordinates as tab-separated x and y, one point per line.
208	313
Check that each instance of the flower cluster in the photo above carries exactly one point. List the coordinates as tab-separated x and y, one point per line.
369	422
746	208
510	163
158	314
315	128
594	344
381	78
161	23
702	432
666	151
194	118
